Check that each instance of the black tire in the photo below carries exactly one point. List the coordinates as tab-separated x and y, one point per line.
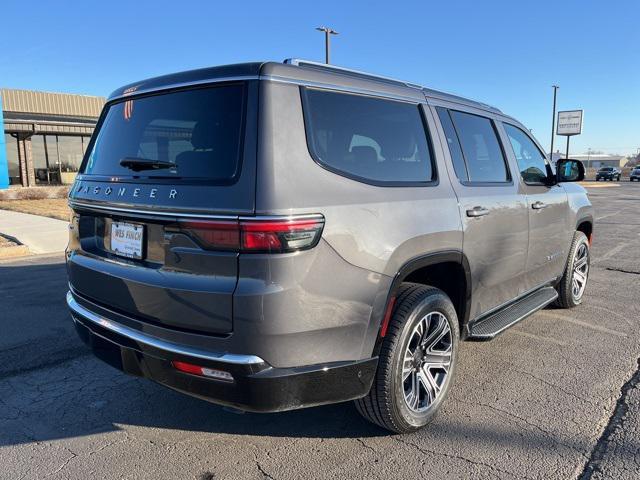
566	294
385	404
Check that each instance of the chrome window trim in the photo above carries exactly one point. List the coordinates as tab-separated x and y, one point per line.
419	98
154	342
341	88
171	86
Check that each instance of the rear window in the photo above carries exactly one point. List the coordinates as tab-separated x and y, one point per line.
606	169
189	134
481	148
368	139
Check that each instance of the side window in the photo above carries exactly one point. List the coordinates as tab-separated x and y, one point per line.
368	139
530	160
480	147
454	144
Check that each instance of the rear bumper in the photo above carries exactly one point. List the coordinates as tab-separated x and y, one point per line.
256	385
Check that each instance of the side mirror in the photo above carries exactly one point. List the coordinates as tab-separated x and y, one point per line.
569	171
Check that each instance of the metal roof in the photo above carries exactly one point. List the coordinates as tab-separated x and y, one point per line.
298	70
45	103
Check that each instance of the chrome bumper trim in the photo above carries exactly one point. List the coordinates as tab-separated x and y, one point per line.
235	359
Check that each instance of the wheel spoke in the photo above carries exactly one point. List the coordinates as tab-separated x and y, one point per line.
425	387
439	331
413	398
580	262
438	358
580	278
430	384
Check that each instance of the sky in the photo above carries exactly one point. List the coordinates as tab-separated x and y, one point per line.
504	53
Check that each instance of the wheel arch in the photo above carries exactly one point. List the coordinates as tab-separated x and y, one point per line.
585	225
429	269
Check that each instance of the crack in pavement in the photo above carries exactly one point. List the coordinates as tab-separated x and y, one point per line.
458	457
615	421
63	466
261	469
524	420
364	444
622	270
556	387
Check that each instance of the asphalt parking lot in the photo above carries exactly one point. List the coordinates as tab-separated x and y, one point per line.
556	396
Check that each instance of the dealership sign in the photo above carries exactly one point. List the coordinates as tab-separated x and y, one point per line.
569	122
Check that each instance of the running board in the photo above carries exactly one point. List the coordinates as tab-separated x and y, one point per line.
487	328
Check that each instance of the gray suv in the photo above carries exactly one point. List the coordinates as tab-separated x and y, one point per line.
271	236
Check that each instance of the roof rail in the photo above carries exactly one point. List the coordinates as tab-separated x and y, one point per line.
357	73
348	71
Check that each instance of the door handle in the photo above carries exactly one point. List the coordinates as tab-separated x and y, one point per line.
477	212
539	205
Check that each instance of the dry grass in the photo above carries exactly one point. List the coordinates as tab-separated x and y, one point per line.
50	207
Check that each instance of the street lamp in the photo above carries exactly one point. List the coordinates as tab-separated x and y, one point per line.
553	120
327	31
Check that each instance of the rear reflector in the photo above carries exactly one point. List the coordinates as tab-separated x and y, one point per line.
273	235
202	371
387	317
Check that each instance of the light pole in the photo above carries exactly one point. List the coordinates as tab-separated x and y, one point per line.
553	120
327	32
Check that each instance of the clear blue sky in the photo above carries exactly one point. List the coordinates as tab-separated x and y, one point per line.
506	53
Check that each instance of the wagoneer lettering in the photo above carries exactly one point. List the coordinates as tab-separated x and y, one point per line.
275	236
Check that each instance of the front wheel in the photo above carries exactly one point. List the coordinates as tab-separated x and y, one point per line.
416	363
574	281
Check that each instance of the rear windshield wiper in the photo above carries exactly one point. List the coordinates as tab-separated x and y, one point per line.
137	164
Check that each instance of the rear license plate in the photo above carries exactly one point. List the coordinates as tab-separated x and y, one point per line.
127	239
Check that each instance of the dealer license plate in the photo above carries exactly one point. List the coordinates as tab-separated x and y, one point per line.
127	239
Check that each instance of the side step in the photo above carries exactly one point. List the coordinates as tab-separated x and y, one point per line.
487	328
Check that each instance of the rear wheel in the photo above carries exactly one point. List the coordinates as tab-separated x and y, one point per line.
574	281
416	362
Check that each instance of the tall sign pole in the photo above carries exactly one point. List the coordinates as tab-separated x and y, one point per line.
553	120
569	124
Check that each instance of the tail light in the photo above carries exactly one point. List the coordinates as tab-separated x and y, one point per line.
257	235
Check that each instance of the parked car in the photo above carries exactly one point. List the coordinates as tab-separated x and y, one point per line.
274	236
608	173
635	174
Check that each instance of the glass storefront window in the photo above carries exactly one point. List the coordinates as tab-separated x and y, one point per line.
39	156
13	159
55	157
69	153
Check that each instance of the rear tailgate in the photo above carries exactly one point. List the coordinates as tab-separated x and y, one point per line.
190	154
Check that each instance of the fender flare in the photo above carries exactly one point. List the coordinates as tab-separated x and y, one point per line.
421	261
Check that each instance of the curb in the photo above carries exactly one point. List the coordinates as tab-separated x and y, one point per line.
13	251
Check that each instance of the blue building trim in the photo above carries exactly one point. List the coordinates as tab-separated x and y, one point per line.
4	165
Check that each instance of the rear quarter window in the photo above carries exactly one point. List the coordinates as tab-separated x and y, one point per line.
373	140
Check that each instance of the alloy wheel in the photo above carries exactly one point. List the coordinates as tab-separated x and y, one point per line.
427	361
580	271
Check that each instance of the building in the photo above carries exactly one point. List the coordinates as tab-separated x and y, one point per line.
43	136
597	160
594	160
